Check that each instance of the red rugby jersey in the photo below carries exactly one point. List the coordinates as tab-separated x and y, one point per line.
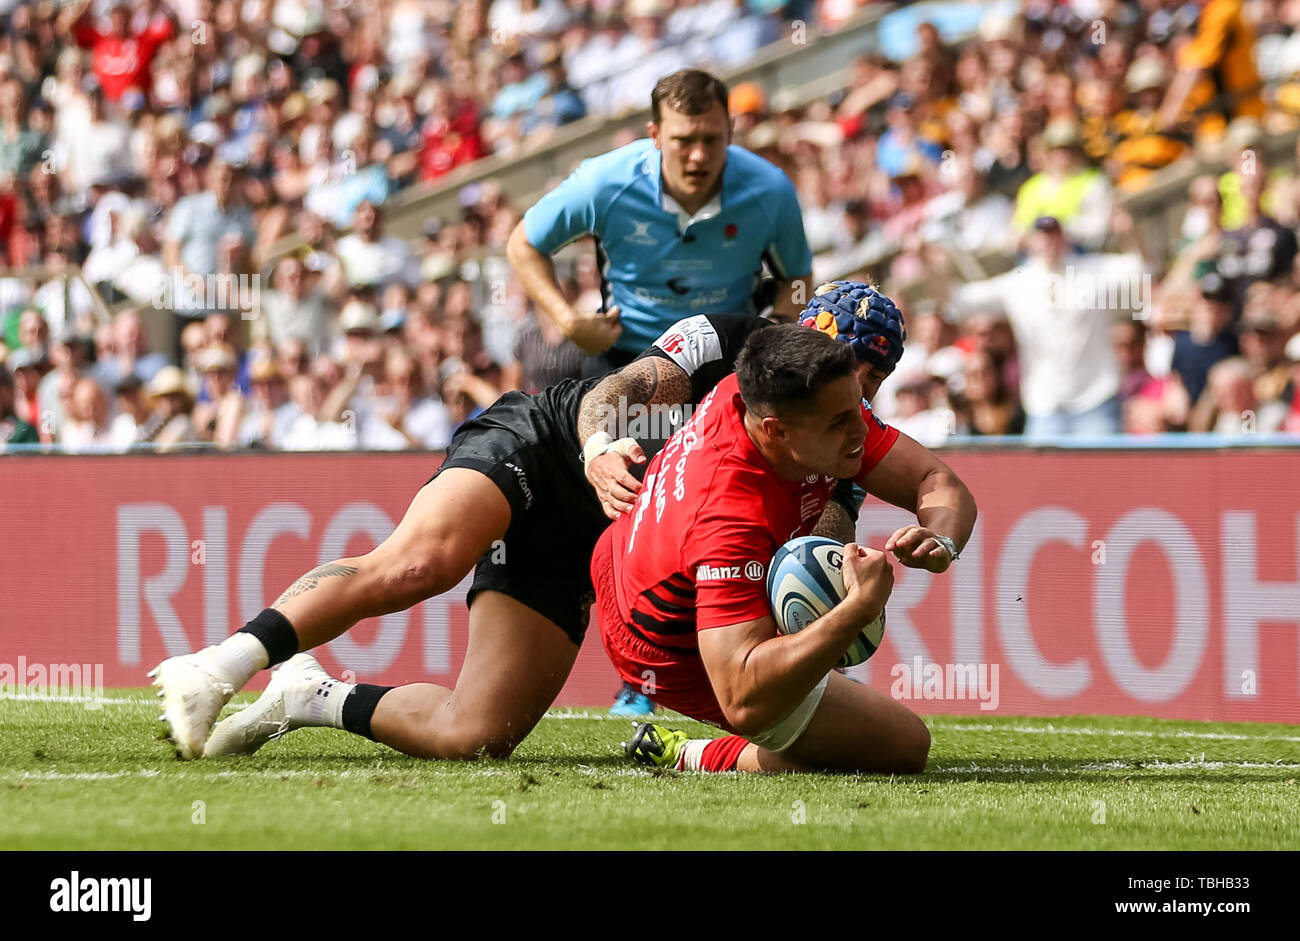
694	551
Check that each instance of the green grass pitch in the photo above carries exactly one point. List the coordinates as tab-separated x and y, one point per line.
72	778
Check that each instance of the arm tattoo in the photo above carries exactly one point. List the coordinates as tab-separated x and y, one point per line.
835	523
312	579
650	381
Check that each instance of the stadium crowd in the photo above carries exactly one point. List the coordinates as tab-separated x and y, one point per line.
143	137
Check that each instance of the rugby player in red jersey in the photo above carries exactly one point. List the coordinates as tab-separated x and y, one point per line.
512	478
680	580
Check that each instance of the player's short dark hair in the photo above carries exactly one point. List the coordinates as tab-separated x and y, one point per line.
690	91
782	369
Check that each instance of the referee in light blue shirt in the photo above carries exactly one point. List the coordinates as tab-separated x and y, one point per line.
683	224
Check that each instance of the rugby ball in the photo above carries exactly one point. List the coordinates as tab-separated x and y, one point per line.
805	581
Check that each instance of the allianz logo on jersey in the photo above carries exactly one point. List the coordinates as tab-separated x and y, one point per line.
719	573
640	234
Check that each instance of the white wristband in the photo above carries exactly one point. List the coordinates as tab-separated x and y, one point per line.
601	443
595	446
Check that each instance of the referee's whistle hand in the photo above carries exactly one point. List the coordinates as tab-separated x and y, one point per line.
615	487
595	332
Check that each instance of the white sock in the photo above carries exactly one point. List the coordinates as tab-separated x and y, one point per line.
317	702
691	754
240	656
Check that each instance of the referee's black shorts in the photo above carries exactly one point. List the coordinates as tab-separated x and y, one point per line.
544	561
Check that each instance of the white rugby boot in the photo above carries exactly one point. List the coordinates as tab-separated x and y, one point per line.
298	695
193	689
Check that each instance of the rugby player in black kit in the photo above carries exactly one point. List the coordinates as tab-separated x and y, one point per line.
512	502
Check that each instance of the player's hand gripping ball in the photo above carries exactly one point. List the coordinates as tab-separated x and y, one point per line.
805	581
861	316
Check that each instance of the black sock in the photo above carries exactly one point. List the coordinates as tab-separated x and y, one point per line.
359	708
276	634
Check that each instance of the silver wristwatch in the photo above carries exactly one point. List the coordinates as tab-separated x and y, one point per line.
947	544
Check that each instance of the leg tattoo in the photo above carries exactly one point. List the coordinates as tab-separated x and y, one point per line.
312	579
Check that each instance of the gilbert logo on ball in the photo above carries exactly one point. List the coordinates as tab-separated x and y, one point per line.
805	581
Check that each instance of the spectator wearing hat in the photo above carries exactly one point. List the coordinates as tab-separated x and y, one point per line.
170	424
747	104
361	342
270	413
1066	189
220	329
911	181
1069	382
1142	145
217	417
13	430
1211	337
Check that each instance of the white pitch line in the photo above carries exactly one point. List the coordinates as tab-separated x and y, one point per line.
143	701
1048	729
462	772
427	771
105	701
973	768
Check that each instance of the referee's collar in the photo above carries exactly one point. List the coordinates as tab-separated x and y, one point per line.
684	220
